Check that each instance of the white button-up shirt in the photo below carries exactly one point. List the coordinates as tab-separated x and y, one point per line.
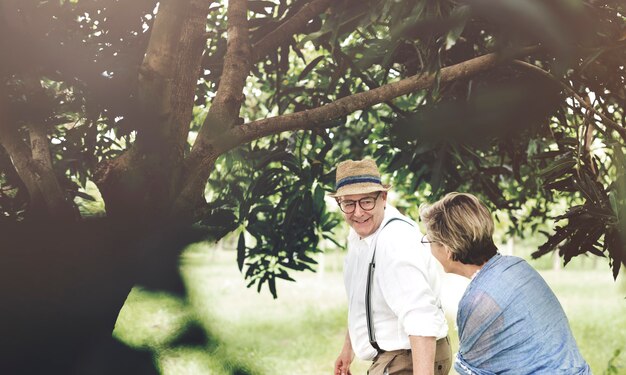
405	291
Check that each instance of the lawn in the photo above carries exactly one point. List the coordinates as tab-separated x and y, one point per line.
301	332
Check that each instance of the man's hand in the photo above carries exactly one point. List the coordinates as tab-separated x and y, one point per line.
342	364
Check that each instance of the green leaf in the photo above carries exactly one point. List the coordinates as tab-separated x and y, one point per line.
241	251
292	210
220	217
304	258
330	225
549	154
260	282
284	275
460	16
557	169
271	282
591	58
310	66
318	200
84	196
266	183
292	164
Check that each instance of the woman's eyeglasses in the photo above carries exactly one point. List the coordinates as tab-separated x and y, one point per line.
425	240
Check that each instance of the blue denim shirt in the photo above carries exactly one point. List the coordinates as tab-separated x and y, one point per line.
510	322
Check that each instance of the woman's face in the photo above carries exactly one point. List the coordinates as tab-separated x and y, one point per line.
442	254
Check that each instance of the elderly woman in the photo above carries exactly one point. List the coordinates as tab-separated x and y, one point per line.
509	321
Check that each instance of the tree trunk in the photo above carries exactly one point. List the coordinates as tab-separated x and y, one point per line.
63	285
142	184
32	162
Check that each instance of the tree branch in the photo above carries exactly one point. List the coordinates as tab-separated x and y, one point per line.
294	25
224	110
47	180
199	164
320	116
34	165
238	60
168	75
149	171
227	102
45	194
21	159
588	136
607	121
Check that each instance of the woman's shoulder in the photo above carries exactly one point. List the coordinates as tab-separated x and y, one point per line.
504	266
499	277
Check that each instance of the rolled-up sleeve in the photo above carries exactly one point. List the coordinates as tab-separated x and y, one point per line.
409	282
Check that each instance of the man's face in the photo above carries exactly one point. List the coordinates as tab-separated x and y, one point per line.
364	222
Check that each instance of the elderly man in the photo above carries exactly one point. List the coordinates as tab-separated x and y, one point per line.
394	311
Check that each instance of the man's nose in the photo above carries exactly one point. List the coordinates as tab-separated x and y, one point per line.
358	211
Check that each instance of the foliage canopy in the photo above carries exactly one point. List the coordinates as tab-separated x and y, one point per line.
232	116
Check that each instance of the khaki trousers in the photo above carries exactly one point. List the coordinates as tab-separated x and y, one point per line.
399	362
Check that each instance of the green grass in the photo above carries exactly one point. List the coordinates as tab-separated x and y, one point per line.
596	309
302	331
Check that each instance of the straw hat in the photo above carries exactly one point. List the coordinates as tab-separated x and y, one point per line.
358	177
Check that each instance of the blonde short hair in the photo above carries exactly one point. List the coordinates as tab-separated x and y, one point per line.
462	223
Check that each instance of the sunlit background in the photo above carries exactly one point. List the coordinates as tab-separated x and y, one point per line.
301	332
130	129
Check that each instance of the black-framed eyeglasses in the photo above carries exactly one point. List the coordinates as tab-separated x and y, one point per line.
425	240
366	204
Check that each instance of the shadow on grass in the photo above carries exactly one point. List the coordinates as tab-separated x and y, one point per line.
165	325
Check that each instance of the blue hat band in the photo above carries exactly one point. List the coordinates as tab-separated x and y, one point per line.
357	180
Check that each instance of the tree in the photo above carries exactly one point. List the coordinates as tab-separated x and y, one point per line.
197	119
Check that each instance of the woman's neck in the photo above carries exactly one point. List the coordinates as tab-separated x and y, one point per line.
468	270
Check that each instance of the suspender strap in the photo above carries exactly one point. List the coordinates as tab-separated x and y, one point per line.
368	294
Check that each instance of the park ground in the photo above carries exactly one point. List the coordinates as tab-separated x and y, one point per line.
301	332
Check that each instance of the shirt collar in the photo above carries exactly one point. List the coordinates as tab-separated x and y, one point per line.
390	212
